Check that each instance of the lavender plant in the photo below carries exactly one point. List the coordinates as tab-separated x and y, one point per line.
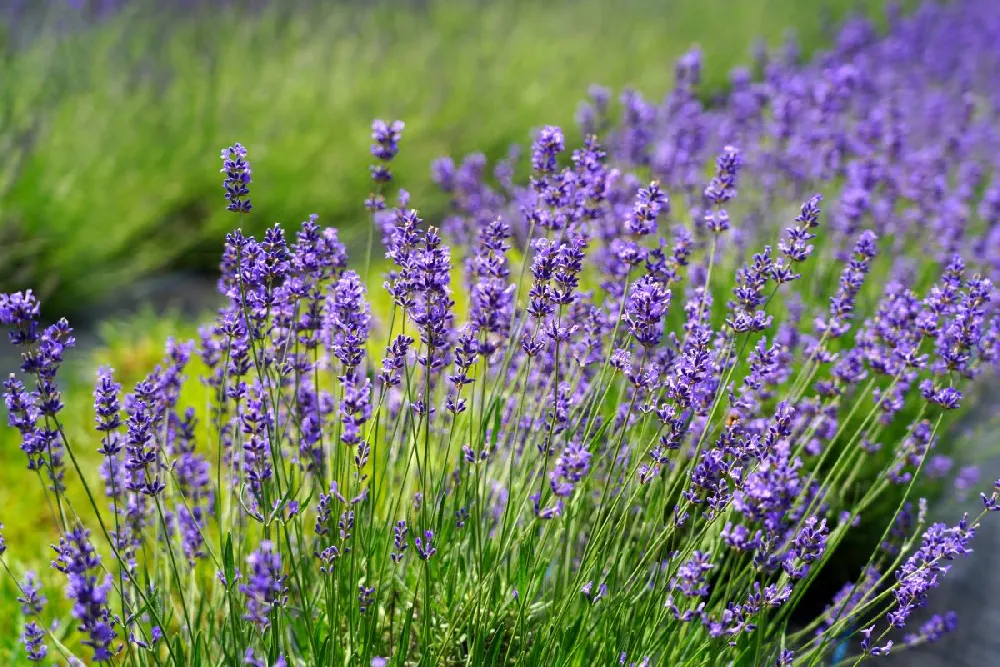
632	444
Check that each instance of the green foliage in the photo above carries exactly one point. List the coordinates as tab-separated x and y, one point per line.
108	131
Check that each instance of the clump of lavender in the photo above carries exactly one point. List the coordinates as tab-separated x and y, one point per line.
654	408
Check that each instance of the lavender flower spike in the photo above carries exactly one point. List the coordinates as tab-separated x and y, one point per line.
237	182
386	137
107	406
32	603
77	559
265	585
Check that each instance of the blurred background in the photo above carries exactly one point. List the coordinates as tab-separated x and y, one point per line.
113	113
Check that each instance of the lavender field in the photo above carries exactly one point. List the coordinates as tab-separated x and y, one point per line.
702	378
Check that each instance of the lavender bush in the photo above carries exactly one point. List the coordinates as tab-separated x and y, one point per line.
640	439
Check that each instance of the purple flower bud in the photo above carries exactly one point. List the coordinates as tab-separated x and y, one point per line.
547	146
394	361
33	639
107	407
366	595
399	541
237	181
386	137
645	308
649	203
722	187
425	546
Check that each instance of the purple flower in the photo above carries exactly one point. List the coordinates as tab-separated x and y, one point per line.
948	398
990	502
547	146
851	280
77	559
785	658
20	311
255	422
43	361
797	247
649	203
250	658
568	265
265	585
542	269
355	410
635	133
546	513
866	643
642	663
466	353
692	576
570	468
366	596
721	189
425	546
933	629
33	639
492	296
41	357
31	599
107	407
275	264
588	591
141	456
751	281
23	414
349	320
431	311
647	304
399	541
386	137
402	239
921	571
394	361
443	173
237	182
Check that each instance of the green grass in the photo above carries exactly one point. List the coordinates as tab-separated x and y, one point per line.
111	134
